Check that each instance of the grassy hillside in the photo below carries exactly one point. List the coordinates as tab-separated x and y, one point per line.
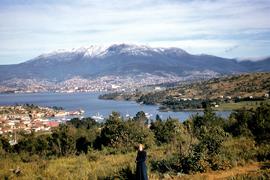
245	85
222	91
224	106
120	166
204	147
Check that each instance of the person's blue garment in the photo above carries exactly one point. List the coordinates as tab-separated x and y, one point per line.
141	170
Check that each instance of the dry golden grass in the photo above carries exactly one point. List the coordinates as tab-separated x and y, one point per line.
228	173
99	165
91	166
219	175
245	85
77	167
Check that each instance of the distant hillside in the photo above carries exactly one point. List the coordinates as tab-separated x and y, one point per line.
192	96
244	85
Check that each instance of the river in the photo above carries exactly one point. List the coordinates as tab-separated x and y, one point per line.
90	103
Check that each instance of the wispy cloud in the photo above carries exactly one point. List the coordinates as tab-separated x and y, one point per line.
230	49
29	28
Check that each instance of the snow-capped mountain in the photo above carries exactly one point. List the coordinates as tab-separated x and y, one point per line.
105	51
124	60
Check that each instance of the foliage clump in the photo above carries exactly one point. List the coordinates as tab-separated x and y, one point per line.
205	142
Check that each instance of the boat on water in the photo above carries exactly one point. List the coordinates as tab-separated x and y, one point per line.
148	115
127	116
98	117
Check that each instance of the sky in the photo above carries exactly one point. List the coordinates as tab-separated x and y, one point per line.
226	28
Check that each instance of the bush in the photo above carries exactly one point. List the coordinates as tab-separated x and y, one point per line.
239	150
170	164
33	145
126	173
166	131
251	123
4	146
263	152
212	139
201	155
238	123
62	142
124	135
260	124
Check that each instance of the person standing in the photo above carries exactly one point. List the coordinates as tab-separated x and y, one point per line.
141	169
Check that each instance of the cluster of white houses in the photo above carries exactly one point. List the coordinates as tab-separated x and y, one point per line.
18	119
10	124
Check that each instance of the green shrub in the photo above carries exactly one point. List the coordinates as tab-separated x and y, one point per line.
239	150
251	123
169	164
263	152
124	135
260	124
4	146
168	131
238	123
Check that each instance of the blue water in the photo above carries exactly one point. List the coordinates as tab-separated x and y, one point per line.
90	103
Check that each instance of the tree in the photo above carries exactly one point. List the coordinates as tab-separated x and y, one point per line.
85	123
82	145
158	118
166	131
124	135
208	120
4	145
212	139
141	118
111	130
260	124
62	141
239	121
27	144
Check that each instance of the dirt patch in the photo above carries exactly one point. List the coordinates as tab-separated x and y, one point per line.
216	175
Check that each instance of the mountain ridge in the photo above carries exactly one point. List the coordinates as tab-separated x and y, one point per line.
126	60
95	51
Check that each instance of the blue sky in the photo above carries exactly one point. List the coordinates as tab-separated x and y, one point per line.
227	28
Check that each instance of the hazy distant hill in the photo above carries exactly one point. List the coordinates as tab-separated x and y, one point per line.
244	85
125	60
238	87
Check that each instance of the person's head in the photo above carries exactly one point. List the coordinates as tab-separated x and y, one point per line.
140	147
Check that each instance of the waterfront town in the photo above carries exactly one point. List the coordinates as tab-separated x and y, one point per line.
30	118
101	84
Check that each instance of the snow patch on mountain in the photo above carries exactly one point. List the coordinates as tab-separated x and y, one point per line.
94	51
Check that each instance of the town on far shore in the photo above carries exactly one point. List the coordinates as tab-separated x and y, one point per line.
31	118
